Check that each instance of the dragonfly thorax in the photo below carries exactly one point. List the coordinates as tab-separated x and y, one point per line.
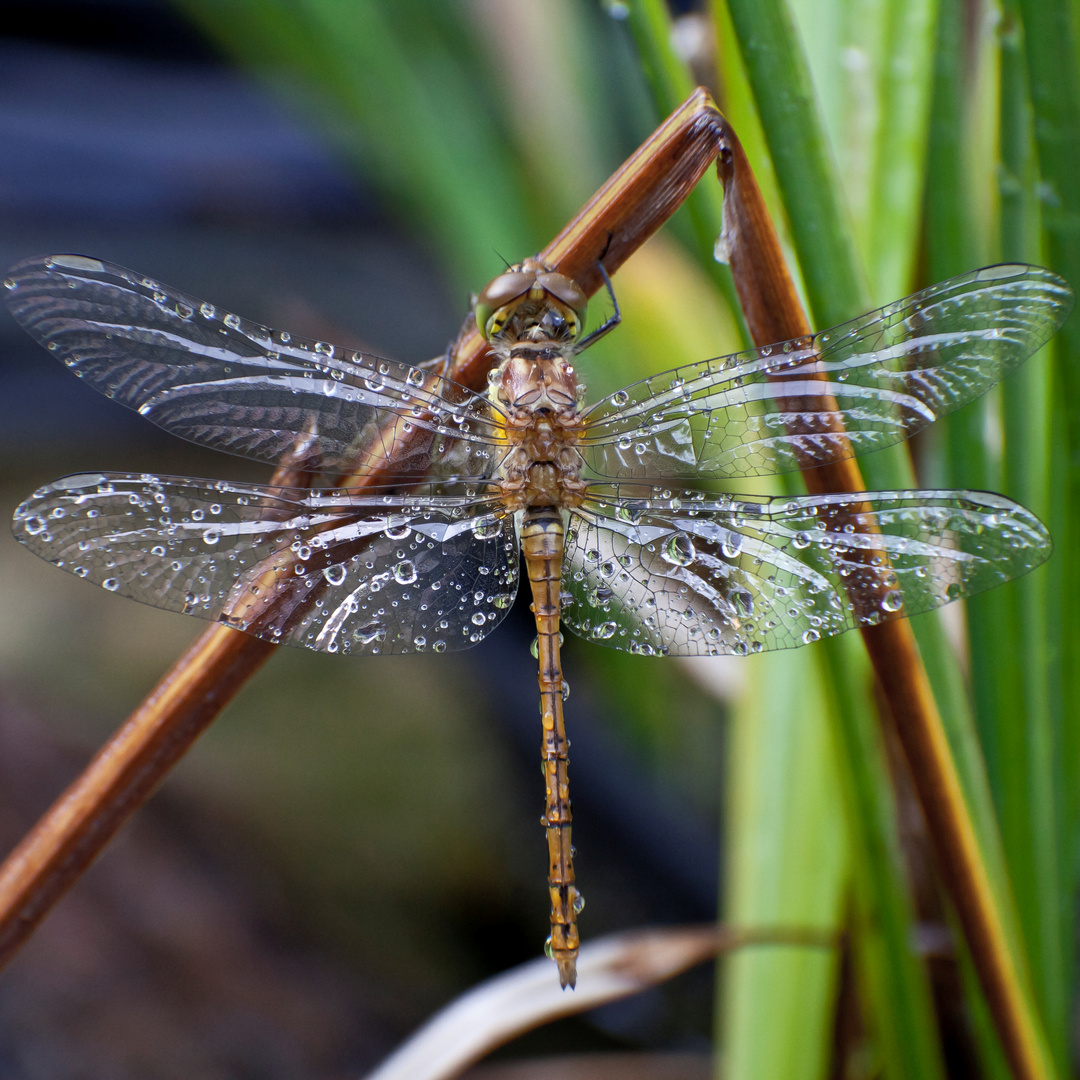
539	396
536	382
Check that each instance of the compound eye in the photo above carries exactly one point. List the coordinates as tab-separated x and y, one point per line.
506	287
565	289
498	293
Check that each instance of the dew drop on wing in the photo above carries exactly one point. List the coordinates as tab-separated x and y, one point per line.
892	601
679	550
405	572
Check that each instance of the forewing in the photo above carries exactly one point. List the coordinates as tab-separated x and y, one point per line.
656	574
325	569
845	391
228	383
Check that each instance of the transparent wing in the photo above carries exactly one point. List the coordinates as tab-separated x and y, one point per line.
843	392
687	576
329	570
228	383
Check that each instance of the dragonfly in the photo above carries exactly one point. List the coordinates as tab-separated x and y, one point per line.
428	496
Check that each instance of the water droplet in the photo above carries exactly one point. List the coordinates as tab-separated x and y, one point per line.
111	584
743	602
487	528
534	648
679	550
34	524
398	530
578	902
335	574
630	513
802	540
810	635
405	572
620	398
207	311
415	377
370	632
604	631
565	690
478	618
439	646
892	601
502	600
211	536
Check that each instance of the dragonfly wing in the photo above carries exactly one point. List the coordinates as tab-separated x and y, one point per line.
843	392
699	577
326	569
231	384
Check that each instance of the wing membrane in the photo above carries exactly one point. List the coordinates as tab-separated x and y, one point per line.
432	570
843	392
231	384
686	576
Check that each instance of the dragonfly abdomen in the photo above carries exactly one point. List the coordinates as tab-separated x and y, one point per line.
542	536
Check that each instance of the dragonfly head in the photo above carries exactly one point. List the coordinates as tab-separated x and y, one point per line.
530	303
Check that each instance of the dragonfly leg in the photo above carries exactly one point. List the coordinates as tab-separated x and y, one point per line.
542	544
609	324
